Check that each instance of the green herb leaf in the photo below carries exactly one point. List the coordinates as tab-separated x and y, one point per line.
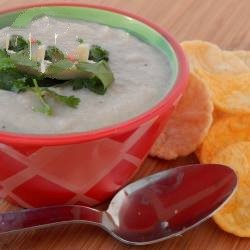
23	59
39	92
58	67
19	85
97	53
95	84
70	101
100	71
77	83
13	81
5	61
80	40
53	54
25	65
17	43
3	53
6	64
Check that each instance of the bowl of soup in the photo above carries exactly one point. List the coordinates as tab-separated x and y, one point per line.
87	142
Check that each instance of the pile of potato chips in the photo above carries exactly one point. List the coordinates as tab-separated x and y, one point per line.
213	119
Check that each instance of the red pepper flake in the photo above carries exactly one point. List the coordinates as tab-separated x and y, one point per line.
33	40
71	57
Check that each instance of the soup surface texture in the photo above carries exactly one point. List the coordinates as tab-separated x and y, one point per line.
142	78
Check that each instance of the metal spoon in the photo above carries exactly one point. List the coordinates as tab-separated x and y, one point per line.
149	210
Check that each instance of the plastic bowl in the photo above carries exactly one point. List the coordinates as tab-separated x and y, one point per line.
89	167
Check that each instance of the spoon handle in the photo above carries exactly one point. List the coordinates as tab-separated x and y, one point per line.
39	217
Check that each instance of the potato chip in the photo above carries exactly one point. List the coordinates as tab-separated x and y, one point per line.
218	114
226	73
230	92
234	217
209	57
188	124
225	131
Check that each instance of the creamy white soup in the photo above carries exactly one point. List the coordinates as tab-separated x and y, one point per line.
141	79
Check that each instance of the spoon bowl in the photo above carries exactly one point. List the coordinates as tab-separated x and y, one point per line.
149	210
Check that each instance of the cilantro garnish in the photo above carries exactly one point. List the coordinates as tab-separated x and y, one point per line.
23	63
18	73
13	81
59	66
18	43
80	40
5	61
53	54
94	84
97	53
101	78
43	93
40	93
38	42
70	101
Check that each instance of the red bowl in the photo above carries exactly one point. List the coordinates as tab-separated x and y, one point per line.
89	167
